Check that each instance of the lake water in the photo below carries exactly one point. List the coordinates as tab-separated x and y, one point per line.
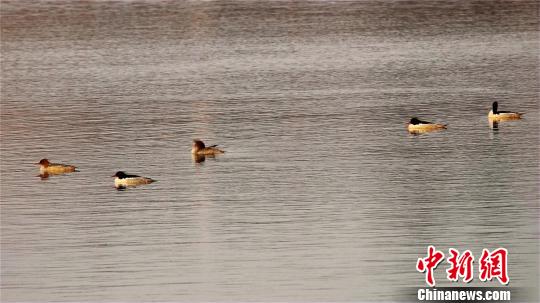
322	195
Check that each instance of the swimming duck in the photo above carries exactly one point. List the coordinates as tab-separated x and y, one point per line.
198	148
122	180
417	126
495	114
48	168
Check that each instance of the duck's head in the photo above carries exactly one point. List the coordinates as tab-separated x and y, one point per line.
414	121
494	107
44	162
119	175
197	144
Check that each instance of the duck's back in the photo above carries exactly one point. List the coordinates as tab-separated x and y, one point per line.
425	126
208	151
55	168
130	181
504	115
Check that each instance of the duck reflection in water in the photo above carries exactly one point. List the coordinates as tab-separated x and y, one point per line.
44	176
494	124
198	158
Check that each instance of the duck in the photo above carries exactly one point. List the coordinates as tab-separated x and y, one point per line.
48	168
122	179
495	114
417	126
198	148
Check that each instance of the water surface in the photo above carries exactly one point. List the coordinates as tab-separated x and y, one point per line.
322	194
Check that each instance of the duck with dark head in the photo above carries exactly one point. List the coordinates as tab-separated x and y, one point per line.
121	179
199	148
418	126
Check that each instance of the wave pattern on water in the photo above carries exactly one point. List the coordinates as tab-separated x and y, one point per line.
322	195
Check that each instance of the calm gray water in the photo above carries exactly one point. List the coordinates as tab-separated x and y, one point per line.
322	194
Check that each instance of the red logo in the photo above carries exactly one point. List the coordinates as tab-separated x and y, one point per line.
491	265
429	263
461	266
